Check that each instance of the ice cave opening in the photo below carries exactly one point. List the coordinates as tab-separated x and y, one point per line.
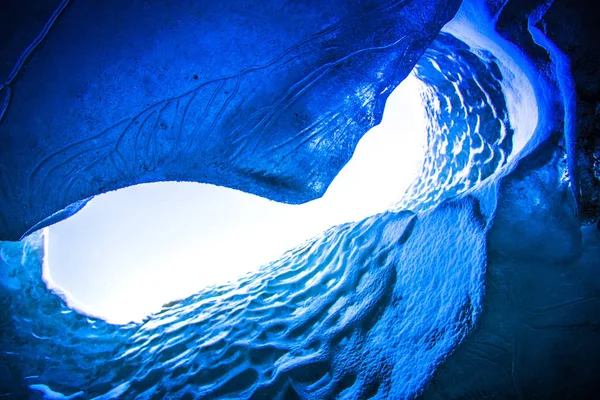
457	119
129	252
446	260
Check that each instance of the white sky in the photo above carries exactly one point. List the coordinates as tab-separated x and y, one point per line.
130	251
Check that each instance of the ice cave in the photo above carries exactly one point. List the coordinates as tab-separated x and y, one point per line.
420	184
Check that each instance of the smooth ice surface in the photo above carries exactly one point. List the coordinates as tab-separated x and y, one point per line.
128	252
223	93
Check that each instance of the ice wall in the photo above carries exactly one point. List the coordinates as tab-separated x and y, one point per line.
230	94
470	135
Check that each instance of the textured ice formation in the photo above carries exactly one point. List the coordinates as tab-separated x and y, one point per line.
469	132
131	250
366	309
538	334
230	94
487	289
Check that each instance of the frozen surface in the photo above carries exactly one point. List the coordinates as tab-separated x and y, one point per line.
128	252
226	93
350	313
488	288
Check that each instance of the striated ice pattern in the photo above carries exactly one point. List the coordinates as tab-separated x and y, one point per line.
225	94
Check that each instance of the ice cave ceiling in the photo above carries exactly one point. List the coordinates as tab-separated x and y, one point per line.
231	94
482	282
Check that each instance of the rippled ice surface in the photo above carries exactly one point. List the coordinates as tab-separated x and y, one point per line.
366	309
469	130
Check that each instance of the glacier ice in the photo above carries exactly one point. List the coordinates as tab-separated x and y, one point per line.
130	251
128	113
278	331
487	288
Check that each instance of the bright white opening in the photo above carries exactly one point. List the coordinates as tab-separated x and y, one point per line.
128	252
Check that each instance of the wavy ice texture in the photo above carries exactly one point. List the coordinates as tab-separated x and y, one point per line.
484	108
366	309
469	132
380	308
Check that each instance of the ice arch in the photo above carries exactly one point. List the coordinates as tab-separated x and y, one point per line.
390	307
128	252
